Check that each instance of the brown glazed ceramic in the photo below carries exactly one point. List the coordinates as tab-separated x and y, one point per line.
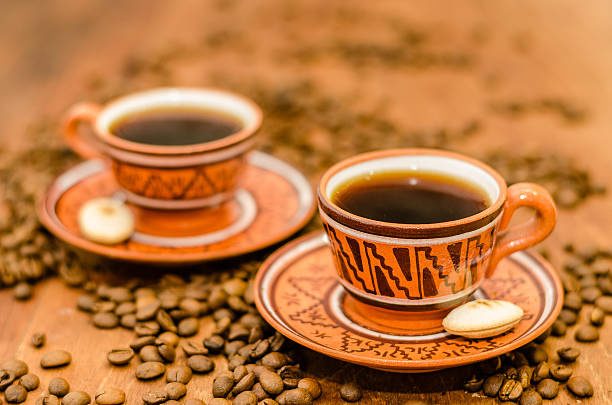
298	292
274	201
414	274
169	177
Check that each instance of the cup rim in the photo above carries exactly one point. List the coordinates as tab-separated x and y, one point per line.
410	231
246	132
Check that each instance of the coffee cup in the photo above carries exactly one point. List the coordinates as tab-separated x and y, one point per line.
408	276
170	173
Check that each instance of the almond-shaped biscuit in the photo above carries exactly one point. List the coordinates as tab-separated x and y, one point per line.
482	318
106	220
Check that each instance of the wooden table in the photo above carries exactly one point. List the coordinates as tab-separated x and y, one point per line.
56	53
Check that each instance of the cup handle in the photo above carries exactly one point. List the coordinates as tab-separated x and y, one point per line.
78	113
522	236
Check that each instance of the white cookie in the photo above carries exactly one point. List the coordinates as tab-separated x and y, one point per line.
482	318
105	220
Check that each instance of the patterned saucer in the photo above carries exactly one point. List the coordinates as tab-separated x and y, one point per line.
276	200
297	291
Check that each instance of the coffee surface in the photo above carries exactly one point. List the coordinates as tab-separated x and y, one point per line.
175	127
410	197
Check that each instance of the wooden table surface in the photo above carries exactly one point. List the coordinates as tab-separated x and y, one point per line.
56	53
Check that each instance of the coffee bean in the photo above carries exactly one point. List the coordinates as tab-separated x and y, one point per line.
235	361
559	328
168	338
30	381
540	372
167	352
180	374
76	398
110	396
290	383
223	313
490	366
237	304
290	372
17	368
59	387
120	357
587	333
149	328
6	378
268	401
572	301
217	298
240	372
191	401
222	385
238	331
590	294
22	291
568	317
154	397
274	360
312	386
150	353
147	308
222	326
150	370
510	390
105	320
191	306
220	401
245	383
560	372
530	397
586	282
15	394
128	321
192	348
348	392
235	286
232	347
255	334
200	364
511	373
214	343
188	327
175	390
524	376
474	384
492	384
597	316
125	308
605	285
48	399
600	268
245	398
535	354
583	271
142	342
518	359
568	354
580	387
104	306
604	303
271	382
548	388
165	321
55	358
38	339
569	282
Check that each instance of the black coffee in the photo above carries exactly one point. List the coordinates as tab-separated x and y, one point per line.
175	127
410	198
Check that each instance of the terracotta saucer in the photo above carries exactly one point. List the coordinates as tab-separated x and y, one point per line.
298	293
276	200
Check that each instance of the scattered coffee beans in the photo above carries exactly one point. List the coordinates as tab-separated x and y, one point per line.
200	364
38	339
349	392
30	381
120	357
530	397
76	398
587	333
580	387
560	372
48	399
55	358
59	387
568	354
548	388
150	370
175	390
110	396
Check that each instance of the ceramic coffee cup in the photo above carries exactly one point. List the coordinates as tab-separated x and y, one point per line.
409	276
169	177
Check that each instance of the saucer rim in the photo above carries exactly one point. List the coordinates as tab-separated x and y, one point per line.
403	366
172	258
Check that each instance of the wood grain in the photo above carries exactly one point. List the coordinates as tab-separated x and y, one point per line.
56	53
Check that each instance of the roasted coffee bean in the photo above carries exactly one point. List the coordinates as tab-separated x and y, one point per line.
222	326
348	392
560	372
15	394
245	383
240	372
150	370
175	390
142	342
180	374
168	338
55	358
559	328
191	401
604	303
572	301
605	285
220	401
110	396
192	348
290	383
255	334
105	320
474	384
530	397
149	328
235	361
165	321
312	386
214	343
569	282
271	382
590	294
22	291
147	308
120	357
568	317
38	339
200	364
178	314
268	401
548	388
580	387
583	271
128	321
192	306
222	385
535	354
274	360
48	399
223	313
217	298
237	304
125	308
290	372
490	366
59	387
17	368
76	398
600	268
7	377
150	353
518	359
245	398
540	372
251	320
30	381
510	390
586	282
154	397
120	294
492	384
587	333
232	347
260	349
524	376
188	327
104	306
167	352
238	331
511	373
235	286
597	316
568	354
